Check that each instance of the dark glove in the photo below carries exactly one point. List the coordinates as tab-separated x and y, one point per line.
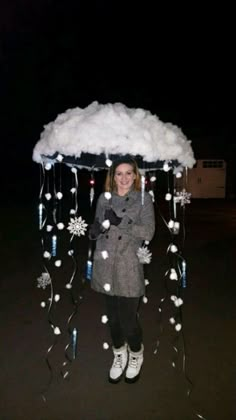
112	217
95	229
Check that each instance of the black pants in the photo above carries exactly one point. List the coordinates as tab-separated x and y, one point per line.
123	321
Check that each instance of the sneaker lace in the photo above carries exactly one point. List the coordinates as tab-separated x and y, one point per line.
133	362
118	361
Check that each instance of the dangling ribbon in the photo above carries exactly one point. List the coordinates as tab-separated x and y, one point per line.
92	183
142	188
175	256
56	331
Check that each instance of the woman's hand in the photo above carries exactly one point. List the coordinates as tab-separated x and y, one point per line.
112	217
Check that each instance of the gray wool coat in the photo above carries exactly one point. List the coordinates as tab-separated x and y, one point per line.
121	269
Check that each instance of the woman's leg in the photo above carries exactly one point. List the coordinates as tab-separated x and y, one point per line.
113	314
129	320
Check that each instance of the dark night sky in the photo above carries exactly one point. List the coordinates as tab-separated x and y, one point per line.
57	55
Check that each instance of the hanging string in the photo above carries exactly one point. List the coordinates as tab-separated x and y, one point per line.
70	349
179	274
55	329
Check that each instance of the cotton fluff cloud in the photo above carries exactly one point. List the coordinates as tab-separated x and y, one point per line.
114	129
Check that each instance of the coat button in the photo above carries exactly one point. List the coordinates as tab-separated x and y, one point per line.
127	199
107	236
119	237
123	210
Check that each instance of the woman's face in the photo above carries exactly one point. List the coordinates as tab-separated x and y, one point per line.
124	178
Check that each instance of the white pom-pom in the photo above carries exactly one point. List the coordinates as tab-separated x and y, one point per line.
146	242
172	321
105	346
171	223
108	162
48	196
60	226
72	211
145	299
104	319
73	190
68	286
59	157
106	224
105	255
173	248
57	331
58	263
178	175
153	179
107	195
74	170
57	298
176	227
48	166
173	298
59	195
168	197
42	304
173	274
70	252
47	255
166	167
107	287
49	228
178	327
146	281
178	302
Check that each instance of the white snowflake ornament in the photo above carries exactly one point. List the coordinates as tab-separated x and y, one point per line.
44	280
144	255
77	226
183	197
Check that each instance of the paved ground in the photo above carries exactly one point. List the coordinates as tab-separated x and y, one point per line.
208	330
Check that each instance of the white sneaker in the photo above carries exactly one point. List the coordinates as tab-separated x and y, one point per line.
119	364
134	365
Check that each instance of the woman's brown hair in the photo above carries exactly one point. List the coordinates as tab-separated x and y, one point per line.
110	184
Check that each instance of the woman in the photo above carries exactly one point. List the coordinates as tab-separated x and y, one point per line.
117	271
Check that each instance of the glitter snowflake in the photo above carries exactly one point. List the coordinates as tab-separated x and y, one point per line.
182	197
144	255
44	280
77	226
